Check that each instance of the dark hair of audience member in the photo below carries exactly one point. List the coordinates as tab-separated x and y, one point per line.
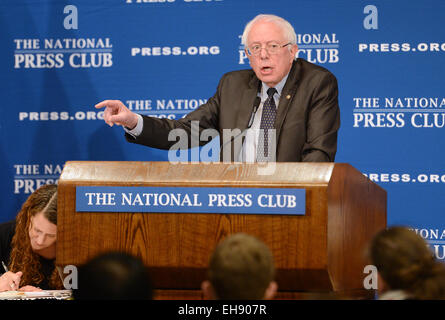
114	276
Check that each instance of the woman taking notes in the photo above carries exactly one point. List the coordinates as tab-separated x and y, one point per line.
28	244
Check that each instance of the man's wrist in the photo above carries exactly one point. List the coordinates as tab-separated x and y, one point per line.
137	129
134	122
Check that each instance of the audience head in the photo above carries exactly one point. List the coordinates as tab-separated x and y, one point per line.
113	276
35	235
405	262
241	268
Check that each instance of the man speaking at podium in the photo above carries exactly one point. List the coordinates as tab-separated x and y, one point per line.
282	109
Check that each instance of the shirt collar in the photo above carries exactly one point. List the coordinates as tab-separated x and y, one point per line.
279	87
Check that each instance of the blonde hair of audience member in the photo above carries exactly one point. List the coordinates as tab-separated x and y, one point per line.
241	268
29	243
404	262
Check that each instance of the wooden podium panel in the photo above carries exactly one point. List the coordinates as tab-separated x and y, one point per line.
320	251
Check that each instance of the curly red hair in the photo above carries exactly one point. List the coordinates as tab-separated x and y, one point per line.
22	257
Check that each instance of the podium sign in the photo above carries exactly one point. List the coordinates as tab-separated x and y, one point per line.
191	200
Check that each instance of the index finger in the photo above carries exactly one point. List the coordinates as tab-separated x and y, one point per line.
106	103
17	276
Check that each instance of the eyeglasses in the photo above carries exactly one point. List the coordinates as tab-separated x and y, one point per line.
271	48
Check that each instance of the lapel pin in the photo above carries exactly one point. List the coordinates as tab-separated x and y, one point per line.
288	97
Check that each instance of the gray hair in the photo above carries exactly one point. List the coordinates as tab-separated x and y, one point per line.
287	28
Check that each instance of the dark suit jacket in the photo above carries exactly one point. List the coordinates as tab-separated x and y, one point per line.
308	116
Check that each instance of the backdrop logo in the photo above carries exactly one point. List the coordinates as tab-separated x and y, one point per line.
30	177
405	177
47	116
317	48
58	53
165	108
396	112
435	239
404	47
149	1
169	1
198	50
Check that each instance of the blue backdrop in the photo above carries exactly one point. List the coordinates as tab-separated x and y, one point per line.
165	57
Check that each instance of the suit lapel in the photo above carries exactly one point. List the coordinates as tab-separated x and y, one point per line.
246	104
244	112
287	95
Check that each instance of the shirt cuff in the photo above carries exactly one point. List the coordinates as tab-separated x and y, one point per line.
136	131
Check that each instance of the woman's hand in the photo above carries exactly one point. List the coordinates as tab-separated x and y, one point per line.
10	281
30	289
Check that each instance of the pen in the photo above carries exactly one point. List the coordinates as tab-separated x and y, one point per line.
6	270
60	273
5	267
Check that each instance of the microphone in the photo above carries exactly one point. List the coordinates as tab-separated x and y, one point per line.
256	104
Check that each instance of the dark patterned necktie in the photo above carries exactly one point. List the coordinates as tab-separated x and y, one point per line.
267	123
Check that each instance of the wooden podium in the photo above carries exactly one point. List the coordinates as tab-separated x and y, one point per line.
321	251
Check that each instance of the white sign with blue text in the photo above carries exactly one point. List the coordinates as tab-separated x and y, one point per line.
191	200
